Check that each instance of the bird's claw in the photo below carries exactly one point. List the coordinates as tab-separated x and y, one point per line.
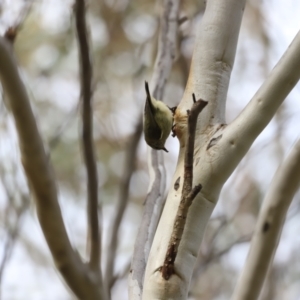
174	130
173	109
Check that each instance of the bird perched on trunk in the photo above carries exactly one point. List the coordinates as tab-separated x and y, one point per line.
158	120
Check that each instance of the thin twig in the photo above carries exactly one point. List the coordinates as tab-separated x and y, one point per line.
189	154
122	273
188	193
87	136
12	234
55	139
12	31
13	227
129	167
212	256
215	255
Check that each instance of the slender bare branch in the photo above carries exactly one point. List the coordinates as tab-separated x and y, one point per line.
87	136
122	202
189	152
213	255
55	139
166	47
121	275
39	173
283	187
188	193
12	31
155	198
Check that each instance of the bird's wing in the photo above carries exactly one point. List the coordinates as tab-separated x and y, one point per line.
153	129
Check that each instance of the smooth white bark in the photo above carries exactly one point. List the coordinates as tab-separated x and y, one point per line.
268	229
209	78
218	148
241	133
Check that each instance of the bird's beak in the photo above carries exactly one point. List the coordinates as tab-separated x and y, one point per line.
165	149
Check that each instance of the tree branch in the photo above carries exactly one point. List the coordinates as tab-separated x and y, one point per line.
240	134
155	198
218	149
212	256
188	193
87	136
122	274
12	31
40	177
189	153
283	187
209	76
212	62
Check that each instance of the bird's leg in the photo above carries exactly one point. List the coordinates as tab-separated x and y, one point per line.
174	130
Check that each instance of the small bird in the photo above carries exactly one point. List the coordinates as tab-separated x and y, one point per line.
158	121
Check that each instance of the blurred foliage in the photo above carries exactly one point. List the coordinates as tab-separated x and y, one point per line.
123	37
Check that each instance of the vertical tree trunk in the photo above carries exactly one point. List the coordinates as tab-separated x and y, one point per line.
209	76
218	147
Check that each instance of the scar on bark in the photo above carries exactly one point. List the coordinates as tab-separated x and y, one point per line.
266	227
214	141
177	184
188	192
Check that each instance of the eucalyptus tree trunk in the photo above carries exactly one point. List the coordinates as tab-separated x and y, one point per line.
219	147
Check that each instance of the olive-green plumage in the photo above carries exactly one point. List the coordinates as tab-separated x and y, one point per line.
158	120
